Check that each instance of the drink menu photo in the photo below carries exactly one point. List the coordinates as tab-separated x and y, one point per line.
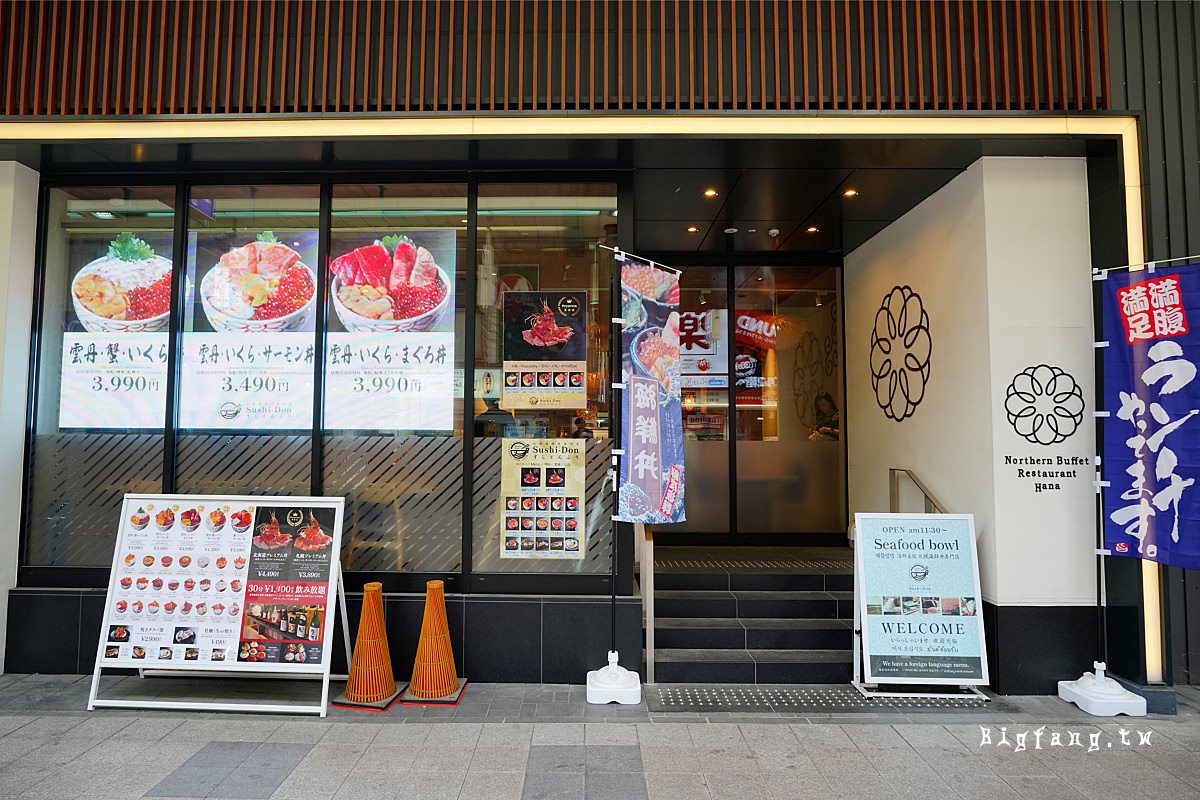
223	583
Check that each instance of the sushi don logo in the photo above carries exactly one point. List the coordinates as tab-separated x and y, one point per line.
230	410
518	450
919	572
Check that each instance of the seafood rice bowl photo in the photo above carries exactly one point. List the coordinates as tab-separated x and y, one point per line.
258	287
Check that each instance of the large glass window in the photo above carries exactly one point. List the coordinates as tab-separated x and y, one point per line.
249	341
791	473
704	351
103	367
542	271
393	413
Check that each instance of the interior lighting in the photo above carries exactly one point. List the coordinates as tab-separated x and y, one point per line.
731	230
850	193
104	215
693	229
710	192
812	229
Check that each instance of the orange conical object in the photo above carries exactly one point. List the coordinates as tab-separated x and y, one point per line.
371	678
434	675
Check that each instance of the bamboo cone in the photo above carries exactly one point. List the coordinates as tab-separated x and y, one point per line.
371	678
434	675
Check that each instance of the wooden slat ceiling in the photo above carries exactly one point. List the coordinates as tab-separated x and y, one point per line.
105	58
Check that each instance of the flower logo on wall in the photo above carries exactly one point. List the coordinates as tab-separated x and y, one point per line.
900	352
1044	404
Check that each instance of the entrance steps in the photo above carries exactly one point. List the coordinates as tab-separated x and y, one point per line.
716	625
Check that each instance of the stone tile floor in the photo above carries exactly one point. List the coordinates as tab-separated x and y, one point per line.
528	741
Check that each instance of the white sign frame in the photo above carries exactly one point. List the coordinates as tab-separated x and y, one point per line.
867	683
320	671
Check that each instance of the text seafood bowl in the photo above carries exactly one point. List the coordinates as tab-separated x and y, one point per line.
358	323
94	323
221	321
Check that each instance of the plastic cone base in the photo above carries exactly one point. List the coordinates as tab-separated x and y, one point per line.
407	698
381	705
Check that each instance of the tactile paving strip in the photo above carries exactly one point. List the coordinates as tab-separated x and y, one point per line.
811	699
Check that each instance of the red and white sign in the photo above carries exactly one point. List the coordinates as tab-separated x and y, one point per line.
1153	309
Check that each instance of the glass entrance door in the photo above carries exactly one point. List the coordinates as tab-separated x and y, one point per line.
762	405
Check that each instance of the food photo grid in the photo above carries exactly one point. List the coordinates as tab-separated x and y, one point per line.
542	498
542	523
210	580
941	606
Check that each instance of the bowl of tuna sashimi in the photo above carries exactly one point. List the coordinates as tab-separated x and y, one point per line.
127	290
261	286
393	285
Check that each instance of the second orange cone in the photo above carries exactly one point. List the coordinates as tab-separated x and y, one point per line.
434	675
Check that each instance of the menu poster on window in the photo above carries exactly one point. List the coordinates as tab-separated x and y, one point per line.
651	477
114	348
223	583
542	498
545	350
248	358
390	359
755	369
917	590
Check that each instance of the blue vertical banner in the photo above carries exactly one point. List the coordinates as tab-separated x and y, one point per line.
1152	432
651	475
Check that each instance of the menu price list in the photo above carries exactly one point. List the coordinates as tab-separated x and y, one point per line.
209	582
180	583
291	567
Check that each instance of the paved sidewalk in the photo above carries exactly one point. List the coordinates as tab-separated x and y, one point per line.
495	746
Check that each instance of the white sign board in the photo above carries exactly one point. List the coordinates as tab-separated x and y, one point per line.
223	584
917	594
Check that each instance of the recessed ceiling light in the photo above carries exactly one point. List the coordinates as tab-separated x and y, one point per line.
731	230
464	222
693	229
710	192
850	193
759	277
812	229
752	230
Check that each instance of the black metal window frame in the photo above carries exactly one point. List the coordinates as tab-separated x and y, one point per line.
183	180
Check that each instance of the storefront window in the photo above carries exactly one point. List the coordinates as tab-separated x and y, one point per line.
249	341
704	350
102	375
788	401
542	323
393	387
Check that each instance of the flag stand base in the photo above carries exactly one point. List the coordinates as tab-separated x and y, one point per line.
614	684
1101	696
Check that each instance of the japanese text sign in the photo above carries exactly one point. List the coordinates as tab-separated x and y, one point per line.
651	480
543	498
1151	443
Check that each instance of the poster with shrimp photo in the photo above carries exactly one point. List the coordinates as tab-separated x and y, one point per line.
545	350
651	488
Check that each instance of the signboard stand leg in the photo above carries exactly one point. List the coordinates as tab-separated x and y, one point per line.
341	591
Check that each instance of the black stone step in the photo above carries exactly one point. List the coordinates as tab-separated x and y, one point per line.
777	604
752	633
677	665
755	581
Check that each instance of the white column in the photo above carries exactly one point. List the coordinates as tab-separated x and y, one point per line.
18	226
